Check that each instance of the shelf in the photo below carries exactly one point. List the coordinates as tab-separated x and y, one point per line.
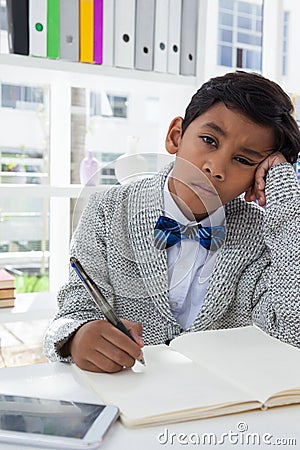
45	191
93	69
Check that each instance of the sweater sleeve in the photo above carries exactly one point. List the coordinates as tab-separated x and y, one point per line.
75	305
277	297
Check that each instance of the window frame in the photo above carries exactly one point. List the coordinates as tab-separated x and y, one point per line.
239	50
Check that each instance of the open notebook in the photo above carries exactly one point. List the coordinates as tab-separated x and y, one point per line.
203	374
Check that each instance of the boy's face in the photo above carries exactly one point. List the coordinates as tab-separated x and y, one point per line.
216	158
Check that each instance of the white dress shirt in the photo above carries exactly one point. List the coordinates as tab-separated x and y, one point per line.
190	265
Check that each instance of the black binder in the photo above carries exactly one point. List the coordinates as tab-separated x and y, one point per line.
18	28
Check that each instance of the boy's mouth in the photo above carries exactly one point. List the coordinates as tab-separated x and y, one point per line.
203	189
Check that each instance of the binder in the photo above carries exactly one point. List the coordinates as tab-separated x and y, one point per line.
86	45
53	29
174	28
17	23
69	29
98	31
124	33
144	34
38	28
161	36
108	32
188	45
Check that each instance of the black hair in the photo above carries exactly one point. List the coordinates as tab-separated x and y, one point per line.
261	100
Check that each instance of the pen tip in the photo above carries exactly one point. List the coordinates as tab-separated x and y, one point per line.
142	361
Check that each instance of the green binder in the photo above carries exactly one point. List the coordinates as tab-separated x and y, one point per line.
53	29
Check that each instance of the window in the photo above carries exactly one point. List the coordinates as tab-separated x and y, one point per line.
101	112
3	19
24	221
21	97
108	170
3	28
22	165
108	105
240	34
286	18
119	105
24	242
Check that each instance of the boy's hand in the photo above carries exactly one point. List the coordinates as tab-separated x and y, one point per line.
98	346
257	191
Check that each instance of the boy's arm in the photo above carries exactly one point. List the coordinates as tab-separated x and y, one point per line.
277	309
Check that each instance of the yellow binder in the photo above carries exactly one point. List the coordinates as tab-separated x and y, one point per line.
87	31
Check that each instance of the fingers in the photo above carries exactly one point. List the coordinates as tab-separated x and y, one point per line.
259	187
136	331
259	182
99	347
109	357
250	195
257	191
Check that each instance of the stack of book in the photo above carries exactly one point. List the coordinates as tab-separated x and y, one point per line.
151	35
7	289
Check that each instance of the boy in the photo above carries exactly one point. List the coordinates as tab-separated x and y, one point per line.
238	136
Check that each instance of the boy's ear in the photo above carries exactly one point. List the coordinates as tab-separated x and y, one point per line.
174	135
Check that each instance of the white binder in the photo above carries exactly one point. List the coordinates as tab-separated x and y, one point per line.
124	33
161	36
69	29
188	46
37	19
108	32
174	27
144	34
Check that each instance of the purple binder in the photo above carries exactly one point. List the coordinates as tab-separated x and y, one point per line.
98	31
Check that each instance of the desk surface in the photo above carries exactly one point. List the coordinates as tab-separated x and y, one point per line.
58	380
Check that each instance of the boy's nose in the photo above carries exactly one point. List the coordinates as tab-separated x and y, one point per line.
213	171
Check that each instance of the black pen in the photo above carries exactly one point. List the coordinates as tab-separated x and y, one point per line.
100	301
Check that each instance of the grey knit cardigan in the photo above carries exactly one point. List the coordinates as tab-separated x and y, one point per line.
256	277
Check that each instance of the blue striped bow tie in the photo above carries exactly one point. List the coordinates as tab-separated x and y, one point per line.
168	232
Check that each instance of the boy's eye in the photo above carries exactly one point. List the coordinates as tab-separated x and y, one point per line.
244	161
209	140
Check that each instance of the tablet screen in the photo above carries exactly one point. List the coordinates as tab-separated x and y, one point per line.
47	417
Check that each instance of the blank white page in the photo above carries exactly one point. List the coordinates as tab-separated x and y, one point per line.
247	356
170	382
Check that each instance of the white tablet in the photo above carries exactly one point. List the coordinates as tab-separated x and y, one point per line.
55	424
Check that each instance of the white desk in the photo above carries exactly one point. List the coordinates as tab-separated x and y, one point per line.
58	380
